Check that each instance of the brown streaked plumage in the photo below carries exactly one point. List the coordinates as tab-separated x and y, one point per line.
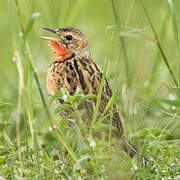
73	68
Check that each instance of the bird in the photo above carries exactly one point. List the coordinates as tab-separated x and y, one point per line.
74	70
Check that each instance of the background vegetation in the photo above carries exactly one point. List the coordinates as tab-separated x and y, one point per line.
140	39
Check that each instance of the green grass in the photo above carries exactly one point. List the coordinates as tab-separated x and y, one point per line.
139	41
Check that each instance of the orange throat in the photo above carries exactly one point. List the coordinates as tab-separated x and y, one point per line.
61	53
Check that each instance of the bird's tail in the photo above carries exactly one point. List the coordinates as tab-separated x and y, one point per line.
128	148
131	150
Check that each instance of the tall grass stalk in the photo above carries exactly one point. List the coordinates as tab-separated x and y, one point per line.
30	60
122	49
160	48
129	13
98	100
174	24
175	31
16	5
110	129
18	118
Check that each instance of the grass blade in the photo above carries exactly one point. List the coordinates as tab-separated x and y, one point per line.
160	48
5	105
85	98
99	95
62	107
162	110
174	23
171	102
129	14
30	24
21	86
110	131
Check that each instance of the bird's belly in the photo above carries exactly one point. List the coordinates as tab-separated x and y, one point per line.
54	81
61	75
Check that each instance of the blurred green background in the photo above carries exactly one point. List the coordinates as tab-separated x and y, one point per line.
117	30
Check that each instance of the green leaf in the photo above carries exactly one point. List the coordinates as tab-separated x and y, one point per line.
5	105
62	107
162	110
109	105
74	98
57	95
85	98
171	102
30	24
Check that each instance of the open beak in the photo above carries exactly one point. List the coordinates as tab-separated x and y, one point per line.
49	38
51	30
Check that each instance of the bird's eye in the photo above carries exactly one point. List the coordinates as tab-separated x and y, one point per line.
69	37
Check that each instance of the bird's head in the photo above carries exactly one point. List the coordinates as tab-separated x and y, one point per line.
70	42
